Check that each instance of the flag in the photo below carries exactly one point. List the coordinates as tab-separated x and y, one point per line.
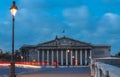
63	31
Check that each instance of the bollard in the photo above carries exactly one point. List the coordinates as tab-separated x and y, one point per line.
107	74
100	73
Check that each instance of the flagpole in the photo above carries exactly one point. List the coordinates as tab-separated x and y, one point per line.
63	33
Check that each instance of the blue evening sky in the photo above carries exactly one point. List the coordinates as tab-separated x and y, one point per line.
37	21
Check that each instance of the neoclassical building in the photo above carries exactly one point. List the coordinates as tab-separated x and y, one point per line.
63	51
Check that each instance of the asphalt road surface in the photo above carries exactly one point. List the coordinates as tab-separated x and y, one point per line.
57	72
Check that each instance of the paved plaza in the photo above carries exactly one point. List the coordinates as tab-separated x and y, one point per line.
56	75
59	72
48	72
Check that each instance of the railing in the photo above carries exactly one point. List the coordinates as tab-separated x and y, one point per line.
99	69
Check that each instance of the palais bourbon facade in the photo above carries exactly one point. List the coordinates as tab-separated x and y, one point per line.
63	51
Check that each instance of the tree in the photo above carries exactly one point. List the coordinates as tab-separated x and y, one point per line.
0	51
118	54
5	56
0	56
17	56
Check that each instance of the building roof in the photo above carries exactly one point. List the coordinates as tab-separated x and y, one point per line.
103	45
64	41
28	46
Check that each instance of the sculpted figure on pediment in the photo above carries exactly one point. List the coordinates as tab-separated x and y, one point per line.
64	42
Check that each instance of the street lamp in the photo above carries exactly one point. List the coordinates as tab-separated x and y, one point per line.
68	50
21	58
13	10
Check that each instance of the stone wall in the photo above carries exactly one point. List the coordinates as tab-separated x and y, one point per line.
104	70
105	67
109	60
99	52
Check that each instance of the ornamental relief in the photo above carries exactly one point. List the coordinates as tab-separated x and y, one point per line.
64	42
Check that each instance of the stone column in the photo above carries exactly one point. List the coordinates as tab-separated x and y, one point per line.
61	57
71	57
38	56
47	57
66	57
90	54
81	57
52	57
57	56
28	56
23	56
42	57
76	60
86	60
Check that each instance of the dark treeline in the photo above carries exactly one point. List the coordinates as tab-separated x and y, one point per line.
6	56
117	55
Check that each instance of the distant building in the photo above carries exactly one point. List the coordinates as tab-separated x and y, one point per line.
64	51
1	51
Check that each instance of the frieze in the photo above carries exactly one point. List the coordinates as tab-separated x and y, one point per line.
64	42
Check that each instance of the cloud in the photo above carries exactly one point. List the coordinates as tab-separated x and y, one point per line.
107	30
76	13
109	23
34	25
112	19
78	16
104	30
41	20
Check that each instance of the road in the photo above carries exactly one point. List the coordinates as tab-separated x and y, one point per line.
57	72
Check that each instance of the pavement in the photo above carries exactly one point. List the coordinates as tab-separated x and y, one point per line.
56	75
57	72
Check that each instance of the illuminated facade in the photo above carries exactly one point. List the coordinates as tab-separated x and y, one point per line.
63	51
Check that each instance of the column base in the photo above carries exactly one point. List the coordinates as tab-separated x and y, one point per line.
12	75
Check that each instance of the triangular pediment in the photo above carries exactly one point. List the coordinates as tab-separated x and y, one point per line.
64	41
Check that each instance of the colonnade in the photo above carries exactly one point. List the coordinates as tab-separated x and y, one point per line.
64	57
68	57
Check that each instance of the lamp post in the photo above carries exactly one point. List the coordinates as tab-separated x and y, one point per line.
13	10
